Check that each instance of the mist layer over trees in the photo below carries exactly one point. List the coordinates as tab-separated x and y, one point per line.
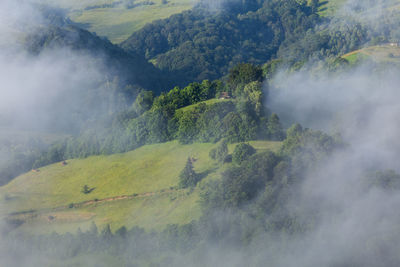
327	197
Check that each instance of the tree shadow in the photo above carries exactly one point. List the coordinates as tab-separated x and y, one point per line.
202	175
91	189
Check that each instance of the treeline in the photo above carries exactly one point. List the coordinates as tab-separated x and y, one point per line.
184	115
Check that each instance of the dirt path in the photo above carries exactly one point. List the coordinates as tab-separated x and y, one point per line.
95	201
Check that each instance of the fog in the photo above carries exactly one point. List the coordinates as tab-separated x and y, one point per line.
355	226
45	91
355	222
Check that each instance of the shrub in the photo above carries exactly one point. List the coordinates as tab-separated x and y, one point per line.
242	152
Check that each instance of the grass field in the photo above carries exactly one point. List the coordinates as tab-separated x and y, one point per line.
329	7
116	20
207	102
382	54
144	182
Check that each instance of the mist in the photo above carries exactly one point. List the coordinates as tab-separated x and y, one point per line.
354	222
355	225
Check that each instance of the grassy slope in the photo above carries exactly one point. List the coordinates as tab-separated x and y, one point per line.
329	7
384	54
152	168
118	23
207	102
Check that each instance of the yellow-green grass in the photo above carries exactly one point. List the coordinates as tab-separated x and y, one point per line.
329	7
150	168
207	102
118	23
148	178
154	212
379	54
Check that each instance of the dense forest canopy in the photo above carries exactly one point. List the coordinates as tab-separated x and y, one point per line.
204	44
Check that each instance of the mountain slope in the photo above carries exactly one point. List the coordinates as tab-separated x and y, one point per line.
200	44
138	188
130	68
117	19
382	54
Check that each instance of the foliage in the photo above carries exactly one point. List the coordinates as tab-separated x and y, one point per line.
274	128
220	152
242	152
188	177
143	102
240	184
243	74
200	44
191	114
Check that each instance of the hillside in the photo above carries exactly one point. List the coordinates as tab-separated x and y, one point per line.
138	188
198	44
382	54
130	68
329	8
115	19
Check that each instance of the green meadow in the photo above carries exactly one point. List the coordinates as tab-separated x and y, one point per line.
116	19
382	54
137	188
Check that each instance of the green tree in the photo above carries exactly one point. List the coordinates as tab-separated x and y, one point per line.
143	102
242	152
220	152
253	92
188	177
274	128
187	127
243	74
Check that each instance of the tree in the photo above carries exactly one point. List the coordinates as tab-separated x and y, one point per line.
188	177
274	127
122	232
242	152
243	74
231	125
85	189
220	152
187	127
143	102
106	234
253	92
93	231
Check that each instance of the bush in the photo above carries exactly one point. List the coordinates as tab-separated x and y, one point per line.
242	152
220	152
